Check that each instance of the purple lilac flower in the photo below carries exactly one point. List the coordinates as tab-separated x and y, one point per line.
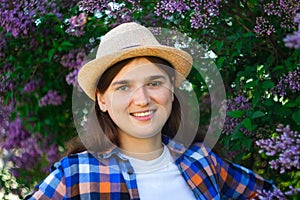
288	82
202	11
263	27
14	135
91	6
293	40
270	195
52	153
6	82
51	98
77	24
292	191
17	17
74	61
3	45
238	103
112	8
285	148
167	8
32	85
5	111
71	78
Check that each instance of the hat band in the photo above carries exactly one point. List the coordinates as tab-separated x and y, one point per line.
131	46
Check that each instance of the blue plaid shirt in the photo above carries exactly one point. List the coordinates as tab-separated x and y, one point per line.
108	176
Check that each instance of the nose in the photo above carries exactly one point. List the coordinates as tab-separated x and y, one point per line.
140	97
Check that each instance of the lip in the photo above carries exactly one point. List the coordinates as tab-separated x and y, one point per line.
143	115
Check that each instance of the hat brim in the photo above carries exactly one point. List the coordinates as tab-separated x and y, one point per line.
91	72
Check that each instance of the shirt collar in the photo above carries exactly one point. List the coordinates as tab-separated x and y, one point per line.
176	149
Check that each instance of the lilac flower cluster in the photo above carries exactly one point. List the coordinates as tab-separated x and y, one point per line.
32	85
23	147
112	9
284	11
202	11
51	98
288	82
14	135
277	193
6	82
293	40
29	150
269	195
238	103
91	6
5	111
73	61
3	45
263	27
285	148
17	17
166	8
76	25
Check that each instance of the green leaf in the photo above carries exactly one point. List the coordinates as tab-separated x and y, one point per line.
220	61
219	45
268	102
296	117
298	100
267	84
247	142
50	54
236	113
290	104
65	45
247	123
257	114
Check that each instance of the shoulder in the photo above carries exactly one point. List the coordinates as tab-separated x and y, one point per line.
75	161
200	151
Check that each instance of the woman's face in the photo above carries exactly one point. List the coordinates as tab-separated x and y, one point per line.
139	99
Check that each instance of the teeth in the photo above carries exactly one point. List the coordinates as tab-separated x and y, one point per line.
142	114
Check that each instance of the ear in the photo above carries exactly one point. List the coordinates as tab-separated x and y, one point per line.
101	101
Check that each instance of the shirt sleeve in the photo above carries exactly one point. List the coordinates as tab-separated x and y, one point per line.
238	182
52	187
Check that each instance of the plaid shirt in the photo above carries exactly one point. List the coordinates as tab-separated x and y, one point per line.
108	176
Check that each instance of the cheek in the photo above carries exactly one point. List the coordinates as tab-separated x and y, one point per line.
164	97
116	103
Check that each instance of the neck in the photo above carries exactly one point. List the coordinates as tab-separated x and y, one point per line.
141	148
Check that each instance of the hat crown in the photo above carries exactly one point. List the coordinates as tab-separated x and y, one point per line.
125	36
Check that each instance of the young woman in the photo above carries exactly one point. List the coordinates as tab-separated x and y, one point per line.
135	156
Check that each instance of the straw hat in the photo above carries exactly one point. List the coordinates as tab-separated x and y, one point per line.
125	41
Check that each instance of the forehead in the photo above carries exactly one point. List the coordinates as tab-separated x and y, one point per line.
140	68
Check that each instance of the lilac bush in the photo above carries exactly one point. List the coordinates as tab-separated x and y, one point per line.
202	12
44	43
289	82
284	148
18	17
51	98
293	40
239	103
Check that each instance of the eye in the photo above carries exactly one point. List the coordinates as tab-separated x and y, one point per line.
154	84
122	88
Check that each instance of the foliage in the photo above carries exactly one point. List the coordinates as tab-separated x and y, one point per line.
43	45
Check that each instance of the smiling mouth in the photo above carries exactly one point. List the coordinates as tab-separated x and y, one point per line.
142	114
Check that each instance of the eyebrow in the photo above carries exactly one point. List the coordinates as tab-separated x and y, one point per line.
150	78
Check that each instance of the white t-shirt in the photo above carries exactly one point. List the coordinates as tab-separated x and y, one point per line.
160	178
